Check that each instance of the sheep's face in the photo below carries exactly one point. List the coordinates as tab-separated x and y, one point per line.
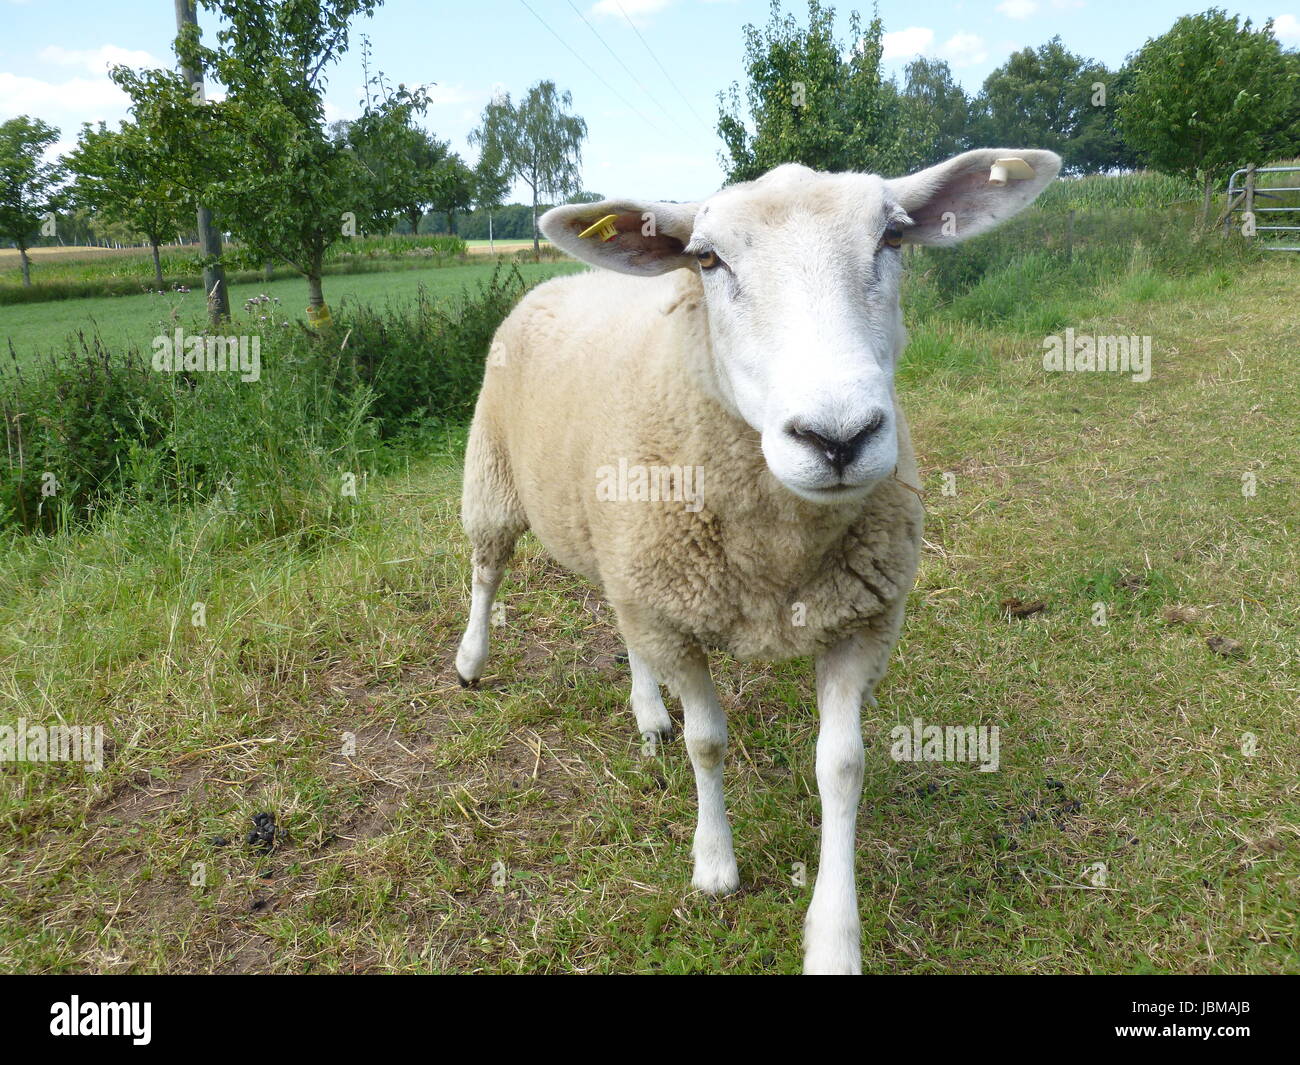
800	273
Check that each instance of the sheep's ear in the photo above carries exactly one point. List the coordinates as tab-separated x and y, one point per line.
971	192
637	237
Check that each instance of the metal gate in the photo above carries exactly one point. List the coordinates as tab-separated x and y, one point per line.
1242	194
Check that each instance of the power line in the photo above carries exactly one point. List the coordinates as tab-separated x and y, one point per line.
661	66
620	62
591	68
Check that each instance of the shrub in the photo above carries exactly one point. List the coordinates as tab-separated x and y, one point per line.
108	426
422	360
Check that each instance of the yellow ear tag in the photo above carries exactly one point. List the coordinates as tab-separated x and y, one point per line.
604	228
1013	169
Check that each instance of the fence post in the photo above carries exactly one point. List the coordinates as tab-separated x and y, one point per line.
1250	194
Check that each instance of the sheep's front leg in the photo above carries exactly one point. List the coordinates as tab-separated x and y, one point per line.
706	743
832	932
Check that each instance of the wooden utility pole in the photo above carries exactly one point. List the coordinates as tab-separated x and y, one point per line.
214	275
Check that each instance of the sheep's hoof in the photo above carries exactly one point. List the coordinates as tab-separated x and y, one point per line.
716	882
658	734
466	683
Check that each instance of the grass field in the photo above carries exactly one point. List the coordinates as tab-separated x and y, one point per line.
519	828
35	328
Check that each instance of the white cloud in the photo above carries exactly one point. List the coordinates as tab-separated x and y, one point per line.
637	10
89	99
1018	9
440	95
1286	28
964	49
98	60
903	44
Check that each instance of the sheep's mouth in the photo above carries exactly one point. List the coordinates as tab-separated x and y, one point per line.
840	492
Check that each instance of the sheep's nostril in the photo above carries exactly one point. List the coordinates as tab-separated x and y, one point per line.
840	451
858	440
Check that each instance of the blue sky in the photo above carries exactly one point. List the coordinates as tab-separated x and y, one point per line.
651	102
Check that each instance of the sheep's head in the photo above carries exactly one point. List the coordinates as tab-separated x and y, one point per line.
800	273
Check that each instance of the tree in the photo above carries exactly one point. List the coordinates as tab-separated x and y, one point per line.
453	189
29	186
491	186
812	100
404	169
929	90
539	143
1048	97
262	156
1283	140
1206	96
120	176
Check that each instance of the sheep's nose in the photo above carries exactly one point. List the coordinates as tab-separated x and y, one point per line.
839	449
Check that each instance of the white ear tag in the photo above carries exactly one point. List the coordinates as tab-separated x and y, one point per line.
1013	169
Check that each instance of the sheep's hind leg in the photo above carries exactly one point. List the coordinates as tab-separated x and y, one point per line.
474	644
493	521
652	720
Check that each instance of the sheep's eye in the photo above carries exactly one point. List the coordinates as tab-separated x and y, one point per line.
893	238
708	260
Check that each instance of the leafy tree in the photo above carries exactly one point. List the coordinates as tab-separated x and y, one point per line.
491	184
1099	143
120	176
29	186
539	142
1045	98
1283	140
812	100
453	189
929	91
263	156
1206	97
404	167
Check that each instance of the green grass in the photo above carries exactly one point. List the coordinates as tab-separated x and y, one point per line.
36	328
57	264
1120	744
1142	189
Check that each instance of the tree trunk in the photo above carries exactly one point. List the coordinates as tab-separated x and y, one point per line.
315	294
451	221
492	248
157	263
1205	203
268	270
27	266
413	216
537	247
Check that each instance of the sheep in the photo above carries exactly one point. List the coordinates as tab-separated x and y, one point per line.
746	344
